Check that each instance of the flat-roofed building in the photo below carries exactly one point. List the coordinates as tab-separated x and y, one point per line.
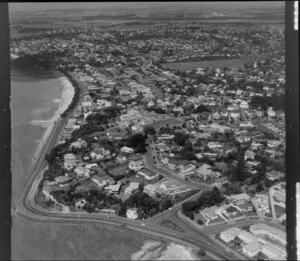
113	188
229	234
251	249
246	236
272	232
239	198
148	174
274	253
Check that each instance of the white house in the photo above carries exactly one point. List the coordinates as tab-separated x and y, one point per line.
132	213
113	188
127	150
271	113
136	165
244	105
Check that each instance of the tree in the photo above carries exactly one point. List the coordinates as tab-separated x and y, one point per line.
165	204
202	252
149	130
202	108
180	138
200	222
259	187
137	140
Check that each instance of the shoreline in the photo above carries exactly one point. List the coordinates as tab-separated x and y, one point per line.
67	95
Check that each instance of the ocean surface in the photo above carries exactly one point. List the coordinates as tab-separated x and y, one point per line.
35	98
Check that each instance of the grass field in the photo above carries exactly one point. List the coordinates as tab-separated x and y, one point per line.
170	224
34	241
279	211
230	63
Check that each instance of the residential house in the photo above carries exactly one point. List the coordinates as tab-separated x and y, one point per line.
62	180
261	203
186	169
147	174
132	213
78	144
80	171
273	143
136	165
275	175
127	150
249	154
271	113
205	172
108	212
113	188
133	186
102	181
239	198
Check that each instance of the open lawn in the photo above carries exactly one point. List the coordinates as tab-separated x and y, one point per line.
35	241
230	63
218	220
119	170
87	186
172	225
279	211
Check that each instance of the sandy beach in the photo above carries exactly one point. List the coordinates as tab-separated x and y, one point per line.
66	98
157	250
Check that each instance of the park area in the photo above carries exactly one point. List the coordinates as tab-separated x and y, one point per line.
230	63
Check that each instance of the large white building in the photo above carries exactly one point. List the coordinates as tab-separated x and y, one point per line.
272	232
246	236
251	249
229	234
147	174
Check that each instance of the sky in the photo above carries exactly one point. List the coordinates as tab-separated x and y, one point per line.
93	5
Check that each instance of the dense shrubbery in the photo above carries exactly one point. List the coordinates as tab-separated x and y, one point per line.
276	101
75	97
138	141
207	199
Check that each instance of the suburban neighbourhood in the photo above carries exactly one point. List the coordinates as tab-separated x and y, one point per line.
183	116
